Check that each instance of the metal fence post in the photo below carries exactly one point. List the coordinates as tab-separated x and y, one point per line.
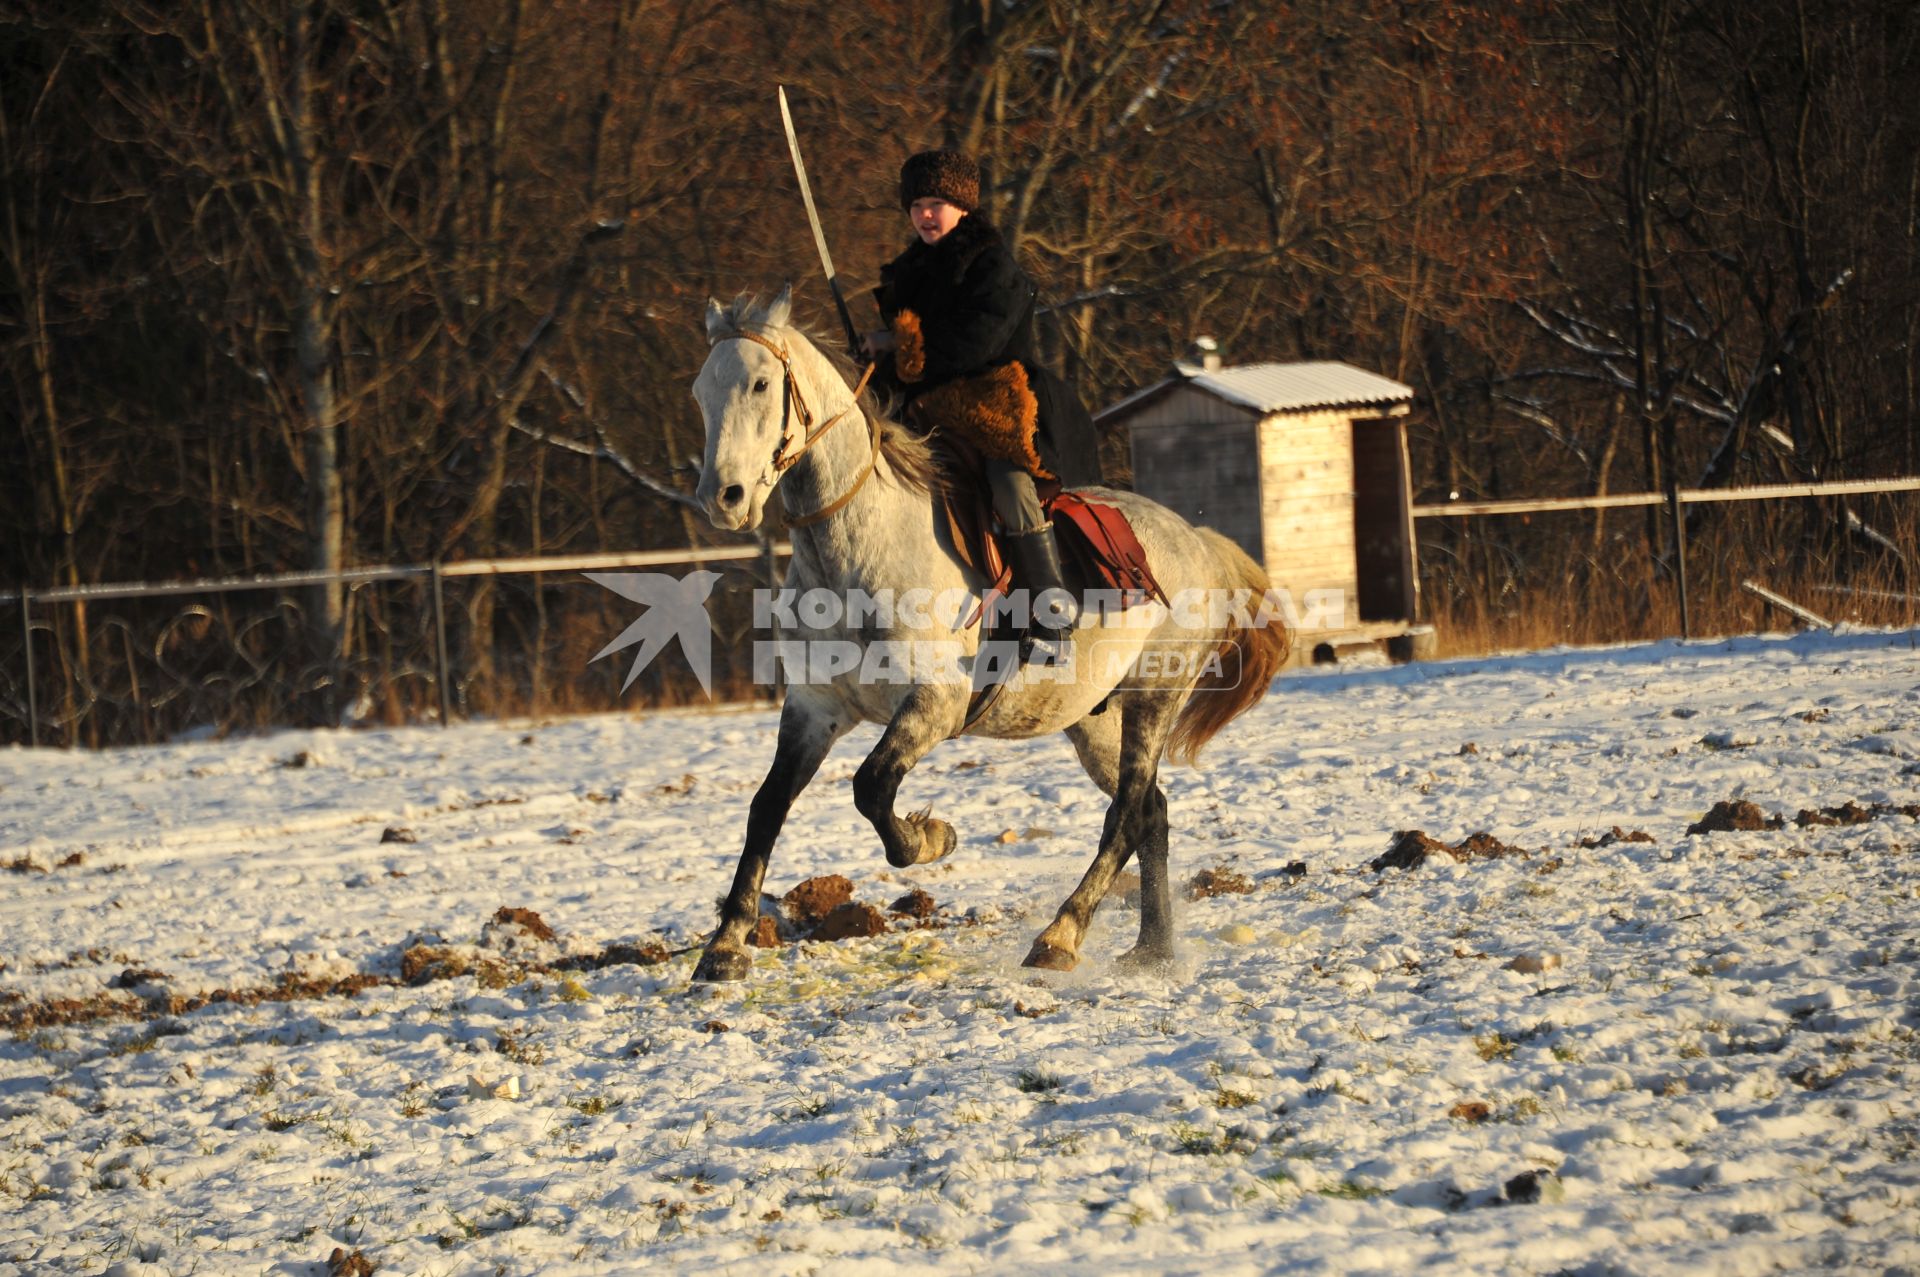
441	676
26	645
1680	556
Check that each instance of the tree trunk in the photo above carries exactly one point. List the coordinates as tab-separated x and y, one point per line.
319	404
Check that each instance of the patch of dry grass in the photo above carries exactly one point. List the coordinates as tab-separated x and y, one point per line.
1585	578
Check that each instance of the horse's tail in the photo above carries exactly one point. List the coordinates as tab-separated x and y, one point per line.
1245	662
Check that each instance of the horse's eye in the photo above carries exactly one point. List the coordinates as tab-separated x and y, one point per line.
760	386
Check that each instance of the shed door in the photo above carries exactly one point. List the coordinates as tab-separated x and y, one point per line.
1382	520
1207	473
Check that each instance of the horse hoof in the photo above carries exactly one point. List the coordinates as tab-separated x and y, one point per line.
936	842
1145	958
1049	957
722	966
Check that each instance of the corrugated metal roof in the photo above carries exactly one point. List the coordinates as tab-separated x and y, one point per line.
1294	387
1271	388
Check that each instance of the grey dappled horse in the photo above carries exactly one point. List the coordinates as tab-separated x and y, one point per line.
862	518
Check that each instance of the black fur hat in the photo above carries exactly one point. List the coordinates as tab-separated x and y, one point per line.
946	175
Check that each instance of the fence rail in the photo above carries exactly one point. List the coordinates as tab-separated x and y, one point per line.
430	574
1685	496
397	572
1675	499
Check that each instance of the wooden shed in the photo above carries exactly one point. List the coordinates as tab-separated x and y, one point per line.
1305	466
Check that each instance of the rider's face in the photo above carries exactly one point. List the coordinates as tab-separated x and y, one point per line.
933	217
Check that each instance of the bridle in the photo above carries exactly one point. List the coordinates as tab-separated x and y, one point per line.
793	408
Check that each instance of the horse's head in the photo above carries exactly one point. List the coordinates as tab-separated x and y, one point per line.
743	395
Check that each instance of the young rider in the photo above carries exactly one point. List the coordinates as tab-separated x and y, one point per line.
960	329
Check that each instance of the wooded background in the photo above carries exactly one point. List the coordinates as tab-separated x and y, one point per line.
309	283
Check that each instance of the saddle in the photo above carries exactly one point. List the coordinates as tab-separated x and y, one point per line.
1098	548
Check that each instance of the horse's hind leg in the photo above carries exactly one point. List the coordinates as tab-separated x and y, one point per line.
930	714
1155	945
807	732
1128	769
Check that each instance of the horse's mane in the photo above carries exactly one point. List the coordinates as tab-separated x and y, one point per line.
911	456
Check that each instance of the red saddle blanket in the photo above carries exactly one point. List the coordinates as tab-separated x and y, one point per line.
1100	542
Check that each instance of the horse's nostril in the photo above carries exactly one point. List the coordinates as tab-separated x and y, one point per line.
734	495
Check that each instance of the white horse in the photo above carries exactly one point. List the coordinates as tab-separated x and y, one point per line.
864	523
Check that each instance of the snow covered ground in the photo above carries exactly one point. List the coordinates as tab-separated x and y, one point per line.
1345	1075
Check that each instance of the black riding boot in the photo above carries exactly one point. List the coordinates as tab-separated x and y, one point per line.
1036	569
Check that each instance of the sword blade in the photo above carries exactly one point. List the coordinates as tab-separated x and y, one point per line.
806	191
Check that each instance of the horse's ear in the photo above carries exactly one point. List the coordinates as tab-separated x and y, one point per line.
781	311
716	319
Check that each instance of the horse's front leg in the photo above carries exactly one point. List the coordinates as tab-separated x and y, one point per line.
930	714
807	732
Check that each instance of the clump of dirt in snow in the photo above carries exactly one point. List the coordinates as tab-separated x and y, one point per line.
525	919
774	927
1412	848
808	904
916	904
1218	881
398	833
650	954
423	963
1848	813
1614	835
1533	1186
851	919
823	908
420	963
1482	845
1734	816
49	1012
345	1263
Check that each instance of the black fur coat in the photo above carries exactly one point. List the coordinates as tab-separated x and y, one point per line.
961	310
